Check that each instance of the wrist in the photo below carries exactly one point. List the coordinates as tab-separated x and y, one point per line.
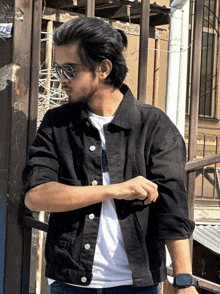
183	281
110	191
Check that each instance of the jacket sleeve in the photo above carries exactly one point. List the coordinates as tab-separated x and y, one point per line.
42	165
167	170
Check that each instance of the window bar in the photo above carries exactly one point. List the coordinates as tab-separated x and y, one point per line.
215	171
217	178
217	71
209	54
191	21
212	68
203	169
216	27
204	65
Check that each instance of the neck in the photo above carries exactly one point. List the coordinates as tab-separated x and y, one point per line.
106	102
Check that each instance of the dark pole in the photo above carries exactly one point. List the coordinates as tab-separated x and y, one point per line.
32	127
17	71
143	50
194	102
90	8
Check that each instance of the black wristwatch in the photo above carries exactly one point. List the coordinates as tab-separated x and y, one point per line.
185	281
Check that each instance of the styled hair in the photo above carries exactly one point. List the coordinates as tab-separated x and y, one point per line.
97	41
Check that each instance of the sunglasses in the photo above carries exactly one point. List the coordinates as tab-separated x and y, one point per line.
68	70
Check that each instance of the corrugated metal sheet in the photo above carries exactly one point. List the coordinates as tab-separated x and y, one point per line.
209	236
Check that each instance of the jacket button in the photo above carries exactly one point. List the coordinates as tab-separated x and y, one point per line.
87	124
92	148
94	183
91	216
87	246
83	279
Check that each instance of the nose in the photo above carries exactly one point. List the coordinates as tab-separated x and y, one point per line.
63	79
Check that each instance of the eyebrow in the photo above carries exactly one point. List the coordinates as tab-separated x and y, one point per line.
67	63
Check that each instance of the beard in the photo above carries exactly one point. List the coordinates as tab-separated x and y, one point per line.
83	99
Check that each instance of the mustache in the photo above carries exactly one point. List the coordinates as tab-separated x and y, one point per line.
66	87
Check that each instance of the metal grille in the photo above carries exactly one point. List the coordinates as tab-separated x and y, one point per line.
209	62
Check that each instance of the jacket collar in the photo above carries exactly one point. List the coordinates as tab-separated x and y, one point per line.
124	116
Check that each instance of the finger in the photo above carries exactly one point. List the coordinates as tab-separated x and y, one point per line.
152	197
147	202
152	191
149	183
143	196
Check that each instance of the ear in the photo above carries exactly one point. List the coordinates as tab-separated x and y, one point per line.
105	68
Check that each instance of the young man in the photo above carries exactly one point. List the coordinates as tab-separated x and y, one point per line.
98	165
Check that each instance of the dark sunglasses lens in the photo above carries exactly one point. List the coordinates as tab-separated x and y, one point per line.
58	70
68	72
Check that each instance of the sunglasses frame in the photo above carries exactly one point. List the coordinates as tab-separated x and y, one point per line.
60	69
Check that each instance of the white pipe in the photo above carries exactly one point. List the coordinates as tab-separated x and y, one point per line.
178	3
181	108
177	63
173	63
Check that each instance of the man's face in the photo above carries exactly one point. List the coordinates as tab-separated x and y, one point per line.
84	85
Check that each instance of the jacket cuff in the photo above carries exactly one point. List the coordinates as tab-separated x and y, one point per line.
172	226
38	176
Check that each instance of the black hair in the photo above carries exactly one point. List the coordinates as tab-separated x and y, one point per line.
97	40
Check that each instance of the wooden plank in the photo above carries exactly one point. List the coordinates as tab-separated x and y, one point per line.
194	164
129	28
143	50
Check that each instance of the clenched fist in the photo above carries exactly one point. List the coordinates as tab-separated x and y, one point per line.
137	188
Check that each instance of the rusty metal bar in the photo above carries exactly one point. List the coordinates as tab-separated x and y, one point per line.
48	65
35	67
32	125
194	102
90	8
31	222
199	163
209	200
143	50
156	72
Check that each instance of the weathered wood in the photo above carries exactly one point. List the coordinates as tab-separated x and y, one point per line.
194	164
143	50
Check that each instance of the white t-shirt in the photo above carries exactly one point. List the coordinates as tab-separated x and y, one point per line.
110	267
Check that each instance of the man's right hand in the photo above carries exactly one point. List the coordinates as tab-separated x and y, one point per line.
137	188
57	197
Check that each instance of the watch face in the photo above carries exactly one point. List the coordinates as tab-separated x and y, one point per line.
183	280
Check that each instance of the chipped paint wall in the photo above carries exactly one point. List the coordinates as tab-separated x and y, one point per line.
7	74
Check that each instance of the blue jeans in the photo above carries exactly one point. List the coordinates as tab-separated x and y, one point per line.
61	288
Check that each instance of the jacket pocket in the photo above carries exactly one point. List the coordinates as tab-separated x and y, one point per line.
141	218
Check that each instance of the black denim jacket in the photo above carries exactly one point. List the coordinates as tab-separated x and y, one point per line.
141	140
